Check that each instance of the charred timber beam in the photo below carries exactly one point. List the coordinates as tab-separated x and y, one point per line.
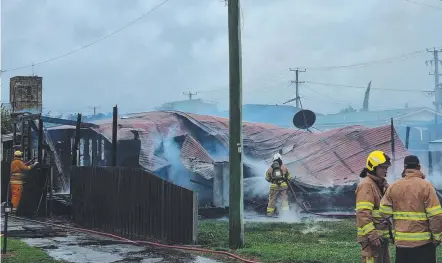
77	140
69	122
114	136
22	116
407	137
34	126
100	145
30	139
22	137
94	150
14	134
40	141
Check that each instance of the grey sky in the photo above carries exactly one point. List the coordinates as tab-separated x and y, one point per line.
183	47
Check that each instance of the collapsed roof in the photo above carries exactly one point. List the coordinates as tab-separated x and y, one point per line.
325	159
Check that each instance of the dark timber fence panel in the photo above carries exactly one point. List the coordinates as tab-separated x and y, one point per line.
133	203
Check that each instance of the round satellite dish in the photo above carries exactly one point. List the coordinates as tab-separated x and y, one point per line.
304	119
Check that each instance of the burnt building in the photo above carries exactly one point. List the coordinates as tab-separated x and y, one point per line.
25	94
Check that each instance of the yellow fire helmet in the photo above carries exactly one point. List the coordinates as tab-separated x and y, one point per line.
377	158
18	154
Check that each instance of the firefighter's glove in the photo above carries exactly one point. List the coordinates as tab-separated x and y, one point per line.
376	242
375	239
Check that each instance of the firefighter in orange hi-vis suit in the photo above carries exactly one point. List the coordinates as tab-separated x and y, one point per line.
18	168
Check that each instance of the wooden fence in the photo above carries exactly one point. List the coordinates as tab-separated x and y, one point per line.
133	203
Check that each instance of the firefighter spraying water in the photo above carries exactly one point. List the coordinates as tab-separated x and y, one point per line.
279	176
18	169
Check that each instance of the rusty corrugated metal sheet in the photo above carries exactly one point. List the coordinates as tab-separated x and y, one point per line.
196	159
335	157
339	158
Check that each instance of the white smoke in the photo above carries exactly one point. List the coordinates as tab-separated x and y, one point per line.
178	174
256	186
394	172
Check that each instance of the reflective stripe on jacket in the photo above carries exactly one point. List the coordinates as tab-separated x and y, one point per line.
368	218
282	185
18	168
415	208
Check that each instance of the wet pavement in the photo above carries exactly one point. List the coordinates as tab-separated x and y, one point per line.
85	248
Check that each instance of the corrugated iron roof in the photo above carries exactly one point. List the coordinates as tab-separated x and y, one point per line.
352	118
335	157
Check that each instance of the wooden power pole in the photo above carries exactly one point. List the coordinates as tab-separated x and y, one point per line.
297	82
236	204
190	94
437	85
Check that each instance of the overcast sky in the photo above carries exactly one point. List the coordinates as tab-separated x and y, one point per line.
183	46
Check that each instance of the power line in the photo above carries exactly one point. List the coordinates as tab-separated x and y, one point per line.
248	83
335	101
92	43
359	87
423	4
372	62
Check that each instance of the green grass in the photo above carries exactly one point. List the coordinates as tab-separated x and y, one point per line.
310	242
18	252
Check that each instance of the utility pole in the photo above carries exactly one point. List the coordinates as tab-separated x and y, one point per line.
190	94
437	85
236	203
297	82
95	109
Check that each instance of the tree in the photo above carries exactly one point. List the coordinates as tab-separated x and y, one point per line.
6	120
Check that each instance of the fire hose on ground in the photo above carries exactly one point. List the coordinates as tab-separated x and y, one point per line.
139	242
314	213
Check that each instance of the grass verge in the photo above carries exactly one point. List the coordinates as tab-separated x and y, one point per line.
310	242
18	252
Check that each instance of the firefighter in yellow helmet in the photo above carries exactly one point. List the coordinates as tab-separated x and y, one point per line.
278	175
18	168
373	231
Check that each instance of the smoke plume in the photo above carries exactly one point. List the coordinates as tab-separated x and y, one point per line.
178	174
